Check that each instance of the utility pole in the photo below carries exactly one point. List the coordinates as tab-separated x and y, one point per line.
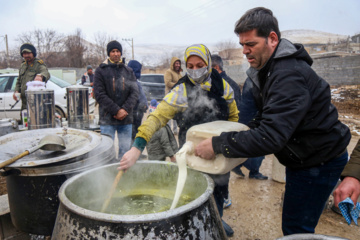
7	51
132	45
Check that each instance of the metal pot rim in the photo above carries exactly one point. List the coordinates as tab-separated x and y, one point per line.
91	141
45	91
101	154
153	217
77	88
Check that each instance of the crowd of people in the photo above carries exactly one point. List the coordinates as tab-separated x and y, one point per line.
286	105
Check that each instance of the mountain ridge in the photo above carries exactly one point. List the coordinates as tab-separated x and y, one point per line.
153	55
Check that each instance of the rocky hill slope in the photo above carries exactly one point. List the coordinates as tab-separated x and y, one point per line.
311	36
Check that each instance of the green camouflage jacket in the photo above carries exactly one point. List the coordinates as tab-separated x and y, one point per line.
27	73
352	169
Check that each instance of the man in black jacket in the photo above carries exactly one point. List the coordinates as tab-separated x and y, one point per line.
117	92
296	121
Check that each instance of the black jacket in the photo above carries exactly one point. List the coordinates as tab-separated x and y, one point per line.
296	121
235	87
115	87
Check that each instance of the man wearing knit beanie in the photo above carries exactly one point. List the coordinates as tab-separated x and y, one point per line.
31	69
113	45
117	92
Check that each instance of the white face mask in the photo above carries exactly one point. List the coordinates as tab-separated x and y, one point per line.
198	75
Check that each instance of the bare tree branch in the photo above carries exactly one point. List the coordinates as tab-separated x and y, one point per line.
224	48
75	49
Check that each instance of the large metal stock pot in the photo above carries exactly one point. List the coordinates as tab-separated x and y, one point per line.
33	186
76	219
41	108
78	106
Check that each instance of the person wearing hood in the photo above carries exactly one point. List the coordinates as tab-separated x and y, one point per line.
173	74
117	93
141	105
171	77
296	121
200	96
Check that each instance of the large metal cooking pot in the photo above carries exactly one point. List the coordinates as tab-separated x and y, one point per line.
78	106
82	196
33	191
40	108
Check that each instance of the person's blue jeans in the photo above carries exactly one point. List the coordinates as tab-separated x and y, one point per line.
253	164
306	193
124	136
221	190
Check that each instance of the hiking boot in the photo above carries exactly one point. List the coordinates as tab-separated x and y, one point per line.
238	172
227	202
258	176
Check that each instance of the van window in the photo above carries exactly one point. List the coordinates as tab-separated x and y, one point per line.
3	82
152	78
14	84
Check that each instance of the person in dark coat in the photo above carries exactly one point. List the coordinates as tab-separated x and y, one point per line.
218	65
88	78
142	104
117	92
296	121
248	111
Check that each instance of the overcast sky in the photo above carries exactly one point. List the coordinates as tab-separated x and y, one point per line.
181	22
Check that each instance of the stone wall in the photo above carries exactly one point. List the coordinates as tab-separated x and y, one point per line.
335	70
339	70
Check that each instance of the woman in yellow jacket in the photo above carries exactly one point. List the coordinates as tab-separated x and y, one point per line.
200	96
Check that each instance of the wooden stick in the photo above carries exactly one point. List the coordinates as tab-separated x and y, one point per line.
112	190
11	160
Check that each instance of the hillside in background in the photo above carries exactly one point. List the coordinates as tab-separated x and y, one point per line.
311	36
153	55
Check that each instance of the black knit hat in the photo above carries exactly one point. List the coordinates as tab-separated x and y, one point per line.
113	45
28	47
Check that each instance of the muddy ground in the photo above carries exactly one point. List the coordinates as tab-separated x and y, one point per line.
256	208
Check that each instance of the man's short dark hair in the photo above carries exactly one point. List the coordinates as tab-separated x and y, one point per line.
217	60
259	18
